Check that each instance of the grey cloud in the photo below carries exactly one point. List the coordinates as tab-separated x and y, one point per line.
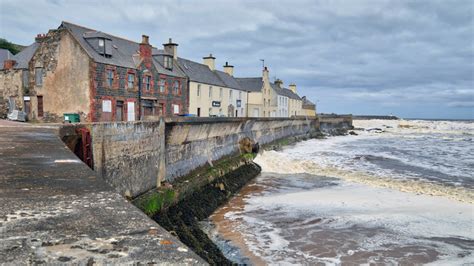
391	55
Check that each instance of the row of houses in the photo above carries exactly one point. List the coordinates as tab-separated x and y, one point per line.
74	69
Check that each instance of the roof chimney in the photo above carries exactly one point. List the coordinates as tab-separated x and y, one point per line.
145	51
229	69
210	62
9	64
279	83
292	87
40	37
171	48
265	74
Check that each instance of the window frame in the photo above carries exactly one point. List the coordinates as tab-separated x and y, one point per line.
110	78
38	76
131	82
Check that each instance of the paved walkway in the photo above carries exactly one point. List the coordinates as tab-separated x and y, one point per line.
55	209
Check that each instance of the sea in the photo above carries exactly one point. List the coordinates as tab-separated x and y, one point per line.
400	192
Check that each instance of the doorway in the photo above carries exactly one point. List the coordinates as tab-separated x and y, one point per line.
119	111
199	112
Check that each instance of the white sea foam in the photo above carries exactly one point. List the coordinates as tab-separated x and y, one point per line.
276	162
405	192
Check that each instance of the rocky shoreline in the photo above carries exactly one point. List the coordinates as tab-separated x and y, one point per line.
184	217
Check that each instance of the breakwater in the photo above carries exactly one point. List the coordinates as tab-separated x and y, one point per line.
135	157
178	171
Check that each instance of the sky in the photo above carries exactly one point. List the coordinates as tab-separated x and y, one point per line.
413	59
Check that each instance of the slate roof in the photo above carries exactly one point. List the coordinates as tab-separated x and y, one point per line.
199	72
122	49
22	58
228	80
4	55
292	95
158	62
251	84
307	104
125	53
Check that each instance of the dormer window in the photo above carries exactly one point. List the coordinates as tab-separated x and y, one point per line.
100	42
168	62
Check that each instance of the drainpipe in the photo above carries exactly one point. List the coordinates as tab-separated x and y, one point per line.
140	80
248	92
139	95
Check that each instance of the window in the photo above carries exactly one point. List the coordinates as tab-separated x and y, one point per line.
168	62
147	81
131	80
161	85
110	78
175	109
101	42
176	87
230	96
220	93
106	106
39	76
25	78
210	91
199	90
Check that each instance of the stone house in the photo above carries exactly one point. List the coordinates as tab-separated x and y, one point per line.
213	92
101	77
14	81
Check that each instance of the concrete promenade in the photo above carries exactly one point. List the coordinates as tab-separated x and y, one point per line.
54	209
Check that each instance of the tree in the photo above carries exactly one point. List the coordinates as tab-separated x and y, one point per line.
13	48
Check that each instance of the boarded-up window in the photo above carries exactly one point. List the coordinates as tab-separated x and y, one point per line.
175	109
106	106
39	76
25	78
130	111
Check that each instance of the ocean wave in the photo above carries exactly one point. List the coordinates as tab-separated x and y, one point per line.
275	162
465	128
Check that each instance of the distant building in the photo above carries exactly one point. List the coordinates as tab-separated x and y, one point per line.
309	108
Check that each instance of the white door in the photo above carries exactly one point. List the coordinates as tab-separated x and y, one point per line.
130	111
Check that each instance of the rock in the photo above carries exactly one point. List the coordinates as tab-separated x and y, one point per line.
353	133
246	145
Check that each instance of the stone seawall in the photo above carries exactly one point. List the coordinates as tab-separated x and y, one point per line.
135	157
194	143
335	124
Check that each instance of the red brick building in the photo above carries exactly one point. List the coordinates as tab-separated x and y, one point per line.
101	77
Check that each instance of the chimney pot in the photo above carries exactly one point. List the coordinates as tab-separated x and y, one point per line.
145	39
229	69
210	62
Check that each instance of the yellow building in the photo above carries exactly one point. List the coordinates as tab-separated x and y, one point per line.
309	108
262	98
213	92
